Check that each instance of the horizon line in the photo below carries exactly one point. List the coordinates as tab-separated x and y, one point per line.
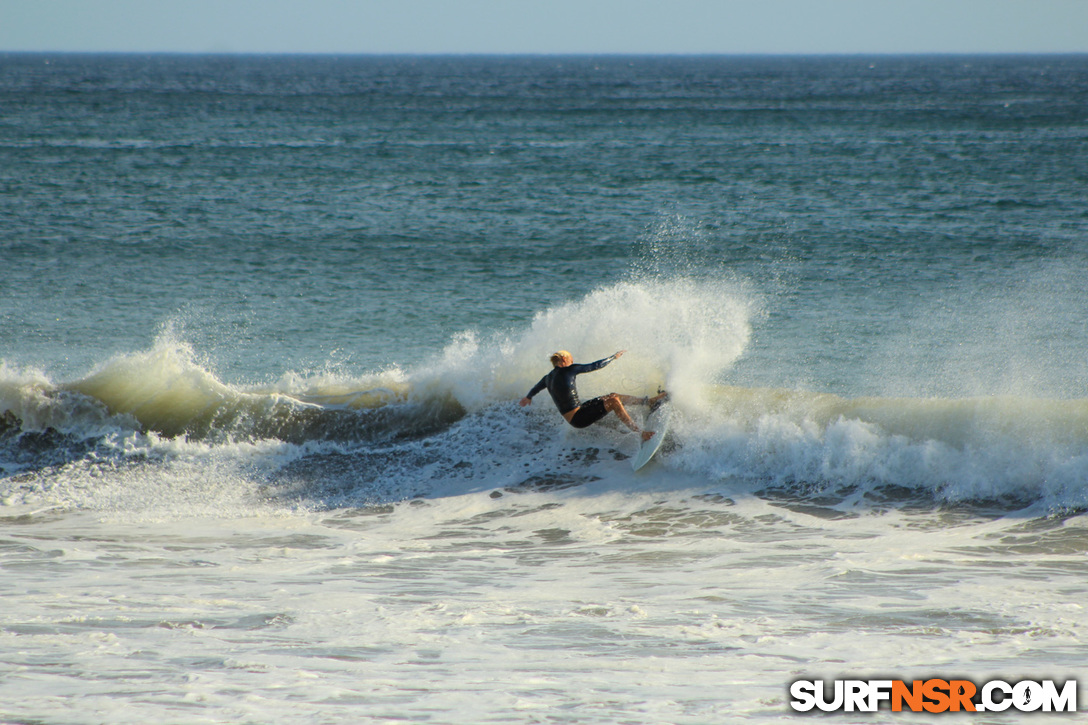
556	54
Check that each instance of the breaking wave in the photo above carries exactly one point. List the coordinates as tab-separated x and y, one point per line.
451	424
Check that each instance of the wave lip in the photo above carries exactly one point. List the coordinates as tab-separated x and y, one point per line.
166	392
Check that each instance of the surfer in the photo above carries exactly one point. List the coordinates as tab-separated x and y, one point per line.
560	383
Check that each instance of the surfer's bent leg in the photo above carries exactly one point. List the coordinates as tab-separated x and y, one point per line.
593	410
613	402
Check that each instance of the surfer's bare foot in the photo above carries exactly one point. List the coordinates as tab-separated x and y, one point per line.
659	398
647	435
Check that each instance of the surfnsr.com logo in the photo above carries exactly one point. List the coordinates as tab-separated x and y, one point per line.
934	695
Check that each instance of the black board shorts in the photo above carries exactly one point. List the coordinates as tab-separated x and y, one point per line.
590	412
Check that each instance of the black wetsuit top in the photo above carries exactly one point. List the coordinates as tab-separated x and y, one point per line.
560	383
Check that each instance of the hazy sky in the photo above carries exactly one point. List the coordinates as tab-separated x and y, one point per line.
546	26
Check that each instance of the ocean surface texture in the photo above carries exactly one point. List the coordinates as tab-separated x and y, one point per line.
264	323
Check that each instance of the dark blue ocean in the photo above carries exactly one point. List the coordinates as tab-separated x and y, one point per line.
265	320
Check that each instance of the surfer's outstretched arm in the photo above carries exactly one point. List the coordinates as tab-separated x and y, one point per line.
536	389
578	369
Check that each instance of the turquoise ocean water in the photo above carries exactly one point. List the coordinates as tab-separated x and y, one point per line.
264	322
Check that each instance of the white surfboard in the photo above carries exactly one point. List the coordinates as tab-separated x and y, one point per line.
658	422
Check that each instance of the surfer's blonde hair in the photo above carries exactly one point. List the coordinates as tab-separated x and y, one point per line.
559	356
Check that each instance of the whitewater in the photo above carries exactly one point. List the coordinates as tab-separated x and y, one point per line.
264	328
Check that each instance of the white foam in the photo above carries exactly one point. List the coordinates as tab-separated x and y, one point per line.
679	333
1022	449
